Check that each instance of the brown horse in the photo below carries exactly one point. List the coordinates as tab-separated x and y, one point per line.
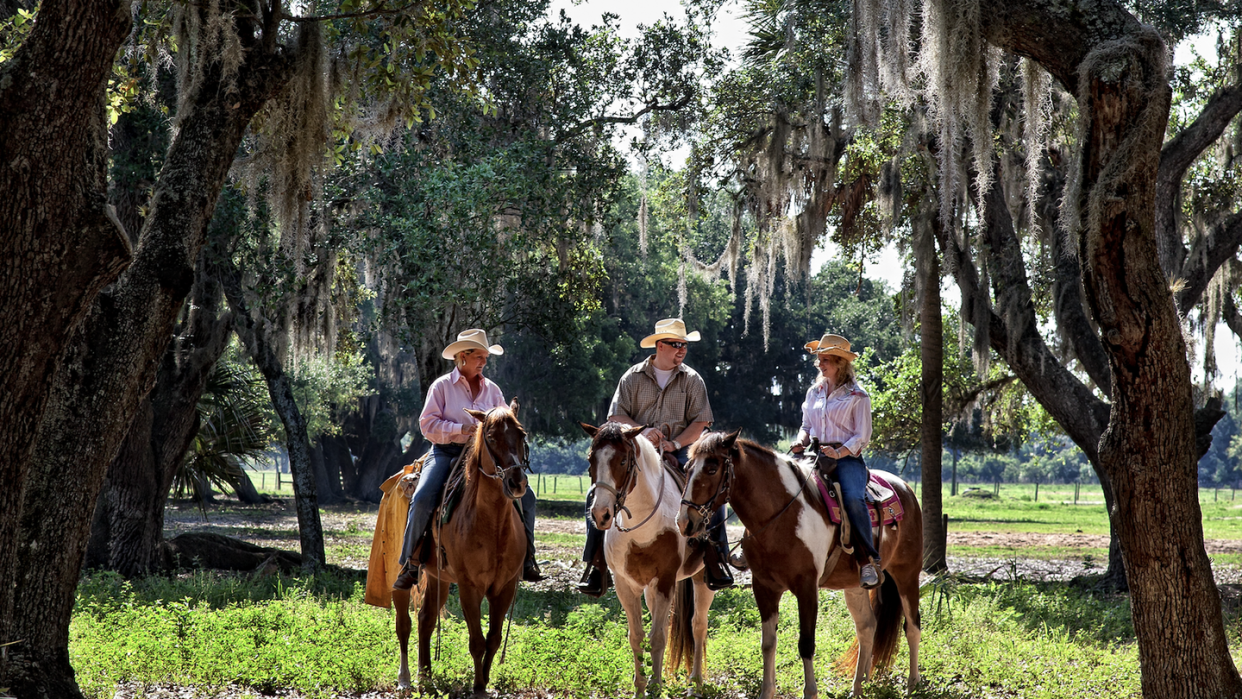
483	544
790	546
645	552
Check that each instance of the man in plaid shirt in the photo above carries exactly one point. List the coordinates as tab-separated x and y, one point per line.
670	399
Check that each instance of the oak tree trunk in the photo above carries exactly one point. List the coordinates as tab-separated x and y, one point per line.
112	357
60	244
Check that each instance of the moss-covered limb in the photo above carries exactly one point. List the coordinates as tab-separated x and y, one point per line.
1058	34
1176	156
1216	248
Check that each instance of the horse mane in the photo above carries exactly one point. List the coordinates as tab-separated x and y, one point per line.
713	442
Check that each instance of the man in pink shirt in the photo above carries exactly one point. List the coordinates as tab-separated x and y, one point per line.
446	424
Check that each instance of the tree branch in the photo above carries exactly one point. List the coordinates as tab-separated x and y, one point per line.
650	107
1175	157
1216	248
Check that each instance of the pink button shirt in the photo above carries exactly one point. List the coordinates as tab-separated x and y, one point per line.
844	416
444	413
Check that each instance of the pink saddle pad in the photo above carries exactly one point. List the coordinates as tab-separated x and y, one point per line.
891	506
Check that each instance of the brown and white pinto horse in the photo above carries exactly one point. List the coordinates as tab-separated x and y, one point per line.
484	545
790	545
645	552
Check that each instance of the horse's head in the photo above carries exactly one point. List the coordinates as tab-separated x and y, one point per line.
709	474
500	442
613	466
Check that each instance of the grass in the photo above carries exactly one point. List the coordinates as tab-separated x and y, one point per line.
315	636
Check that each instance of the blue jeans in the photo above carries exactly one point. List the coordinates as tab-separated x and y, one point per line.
595	537
852	474
435	474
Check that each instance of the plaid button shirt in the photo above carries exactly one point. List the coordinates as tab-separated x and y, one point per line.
671	410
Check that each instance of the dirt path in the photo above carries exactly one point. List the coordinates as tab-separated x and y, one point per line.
348	529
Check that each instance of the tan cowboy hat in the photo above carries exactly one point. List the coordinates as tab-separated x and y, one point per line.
468	340
832	344
669	329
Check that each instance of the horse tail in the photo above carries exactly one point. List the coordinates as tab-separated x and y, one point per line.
680	648
886	601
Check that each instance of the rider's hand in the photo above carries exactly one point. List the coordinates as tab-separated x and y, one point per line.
798	448
654	436
832	452
469	429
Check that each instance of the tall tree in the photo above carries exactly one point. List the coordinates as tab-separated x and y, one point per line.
61	242
1115	67
233	62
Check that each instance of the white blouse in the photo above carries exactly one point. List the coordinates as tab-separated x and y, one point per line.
844	416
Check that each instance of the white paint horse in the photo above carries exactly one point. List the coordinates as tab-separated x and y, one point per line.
792	545
646	553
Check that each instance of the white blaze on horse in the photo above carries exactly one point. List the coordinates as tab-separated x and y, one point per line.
793	545
646	553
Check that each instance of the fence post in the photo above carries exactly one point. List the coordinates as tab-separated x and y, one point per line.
580	491
1036	491
554	479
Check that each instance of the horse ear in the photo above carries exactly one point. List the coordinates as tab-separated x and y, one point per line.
514	405
632	432
591	430
731	438
476	414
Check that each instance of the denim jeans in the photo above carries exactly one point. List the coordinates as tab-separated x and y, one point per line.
435	474
852	474
595	537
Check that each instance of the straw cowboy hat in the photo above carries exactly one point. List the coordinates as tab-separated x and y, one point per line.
669	329
832	344
468	340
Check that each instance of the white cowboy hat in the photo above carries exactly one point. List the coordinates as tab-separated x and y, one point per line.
669	329
832	344
468	340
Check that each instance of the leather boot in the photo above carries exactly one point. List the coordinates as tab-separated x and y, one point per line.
408	577
530	570
592	582
715	571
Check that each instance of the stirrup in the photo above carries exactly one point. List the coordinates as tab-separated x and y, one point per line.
869	576
531	572
715	570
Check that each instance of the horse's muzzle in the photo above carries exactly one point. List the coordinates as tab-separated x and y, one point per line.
602	513
689	521
515	485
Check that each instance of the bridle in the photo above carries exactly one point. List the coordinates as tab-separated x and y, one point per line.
722	488
630	462
501	474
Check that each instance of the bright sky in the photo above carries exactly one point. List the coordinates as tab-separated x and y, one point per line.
730	31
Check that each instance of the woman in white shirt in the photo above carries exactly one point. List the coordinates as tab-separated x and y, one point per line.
837	411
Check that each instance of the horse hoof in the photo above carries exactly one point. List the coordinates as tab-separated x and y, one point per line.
403	684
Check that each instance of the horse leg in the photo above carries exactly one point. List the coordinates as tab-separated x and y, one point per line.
914	633
808	612
497	606
435	594
401	601
472	610
768	600
659	596
859	603
702	603
627	593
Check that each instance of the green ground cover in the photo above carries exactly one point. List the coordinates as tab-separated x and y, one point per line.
316	637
